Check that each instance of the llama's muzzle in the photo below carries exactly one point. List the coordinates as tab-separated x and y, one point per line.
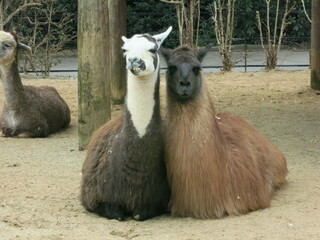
184	93
135	65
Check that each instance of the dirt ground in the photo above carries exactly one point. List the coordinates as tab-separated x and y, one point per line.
40	178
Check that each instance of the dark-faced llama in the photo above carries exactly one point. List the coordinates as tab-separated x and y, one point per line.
28	111
218	164
124	172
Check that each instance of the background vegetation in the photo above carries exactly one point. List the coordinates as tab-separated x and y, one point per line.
149	16
152	15
58	27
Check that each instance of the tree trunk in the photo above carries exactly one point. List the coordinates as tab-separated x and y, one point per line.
315	45
188	26
117	28
93	82
1	14
272	57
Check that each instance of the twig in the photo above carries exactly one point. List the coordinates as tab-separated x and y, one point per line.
284	23
305	11
20	8
276	23
260	29
174	2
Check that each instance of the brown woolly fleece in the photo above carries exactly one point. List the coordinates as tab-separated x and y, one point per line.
218	164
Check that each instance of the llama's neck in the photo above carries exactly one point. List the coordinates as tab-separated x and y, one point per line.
200	106
12	85
194	122
142	99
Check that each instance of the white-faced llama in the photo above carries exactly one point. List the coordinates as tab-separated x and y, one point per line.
217	164
28	111
124	172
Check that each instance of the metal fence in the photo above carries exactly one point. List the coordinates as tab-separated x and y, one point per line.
247	57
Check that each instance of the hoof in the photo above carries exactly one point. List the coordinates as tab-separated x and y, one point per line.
146	213
137	217
111	211
24	135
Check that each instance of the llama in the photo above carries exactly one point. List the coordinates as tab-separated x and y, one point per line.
28	111
124	172
217	163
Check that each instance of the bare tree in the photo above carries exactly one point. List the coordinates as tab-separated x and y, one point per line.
224	26
273	43
49	35
8	10
188	13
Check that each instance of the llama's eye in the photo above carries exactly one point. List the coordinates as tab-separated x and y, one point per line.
6	45
196	70
153	50
123	50
172	69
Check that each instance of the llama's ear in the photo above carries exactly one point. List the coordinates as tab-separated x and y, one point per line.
19	44
202	52
166	53
162	36
124	39
24	47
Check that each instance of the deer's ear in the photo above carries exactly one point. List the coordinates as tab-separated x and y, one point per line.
162	36
202	52
166	53
24	47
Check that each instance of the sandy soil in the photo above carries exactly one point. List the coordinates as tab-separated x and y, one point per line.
40	178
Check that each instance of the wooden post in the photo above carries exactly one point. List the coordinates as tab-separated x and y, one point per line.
315	45
1	15
93	57
118	28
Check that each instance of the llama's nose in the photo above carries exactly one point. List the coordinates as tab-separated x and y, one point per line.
185	83
133	62
132	59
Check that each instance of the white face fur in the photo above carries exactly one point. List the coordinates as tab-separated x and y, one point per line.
141	55
8	47
141	52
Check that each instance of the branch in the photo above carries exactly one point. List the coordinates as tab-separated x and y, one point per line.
228	21
284	24
268	24
198	22
260	29
221	25
173	2
231	26
305	11
216	25
276	23
20	8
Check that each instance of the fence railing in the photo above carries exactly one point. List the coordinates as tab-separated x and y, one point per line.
247	57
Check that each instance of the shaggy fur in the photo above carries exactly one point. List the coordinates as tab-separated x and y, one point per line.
217	164
124	173
28	111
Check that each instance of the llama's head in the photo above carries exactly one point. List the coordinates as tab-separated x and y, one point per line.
8	47
184	79
141	52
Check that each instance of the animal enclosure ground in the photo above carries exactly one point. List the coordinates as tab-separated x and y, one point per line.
40	178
